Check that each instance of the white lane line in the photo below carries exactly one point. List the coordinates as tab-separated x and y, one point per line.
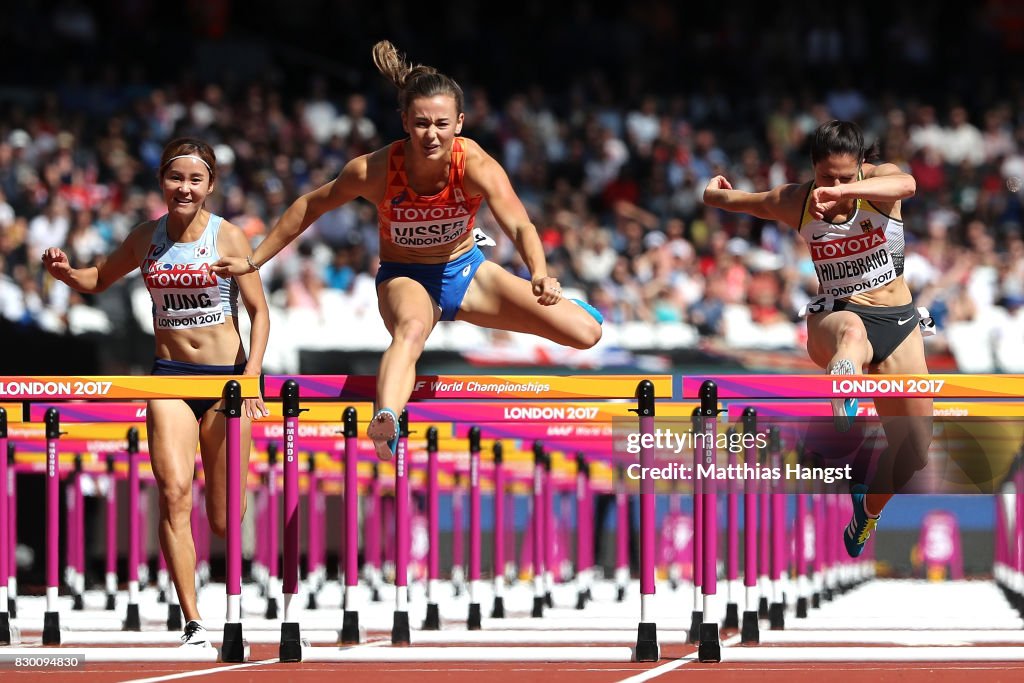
202	672
672	666
218	669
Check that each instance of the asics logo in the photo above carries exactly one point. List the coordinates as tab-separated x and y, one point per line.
465	271
901	321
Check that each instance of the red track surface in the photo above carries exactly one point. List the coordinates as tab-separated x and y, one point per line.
668	669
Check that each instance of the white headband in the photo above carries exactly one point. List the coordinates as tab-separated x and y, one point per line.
189	156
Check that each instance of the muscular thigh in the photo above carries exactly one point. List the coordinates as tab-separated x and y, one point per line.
826	330
401	299
500	300
173	436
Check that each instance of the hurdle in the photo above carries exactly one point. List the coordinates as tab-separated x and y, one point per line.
325	387
934	645
232	389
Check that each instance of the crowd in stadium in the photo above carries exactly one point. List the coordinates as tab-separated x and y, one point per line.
611	172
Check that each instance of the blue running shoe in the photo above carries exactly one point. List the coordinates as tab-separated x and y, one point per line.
844	410
383	430
858	531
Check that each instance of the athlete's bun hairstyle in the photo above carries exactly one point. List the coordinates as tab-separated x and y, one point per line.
413	81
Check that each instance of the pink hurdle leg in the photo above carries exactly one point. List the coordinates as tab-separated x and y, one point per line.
473	621
709	648
232	649
749	628
647	649
290	649
498	610
400	627
350	618
432	622
51	618
5	538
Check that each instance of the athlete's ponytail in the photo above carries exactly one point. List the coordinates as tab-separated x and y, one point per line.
413	81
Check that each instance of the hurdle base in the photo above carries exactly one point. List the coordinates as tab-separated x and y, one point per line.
174	617
620	594
709	649
5	629
581	600
750	632
815	600
548	600
432	622
12	608
51	628
801	608
375	595
538	607
349	628
111	602
762	608
696	619
271	608
473	622
290	649
77	603
233	647
647	649
311	601
777	616
498	610
161	597
826	595
732	616
400	629
131	618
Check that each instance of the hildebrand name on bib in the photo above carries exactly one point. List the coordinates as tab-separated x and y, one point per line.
185	295
419	227
847	265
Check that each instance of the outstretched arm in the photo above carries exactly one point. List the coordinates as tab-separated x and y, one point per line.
773	205
350	183
122	261
483	171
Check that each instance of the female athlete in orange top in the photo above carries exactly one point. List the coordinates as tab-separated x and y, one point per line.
427	189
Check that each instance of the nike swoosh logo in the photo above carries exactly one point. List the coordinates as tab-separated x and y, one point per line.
901	321
818	237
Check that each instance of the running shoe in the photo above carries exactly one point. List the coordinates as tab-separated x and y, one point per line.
594	313
383	430
844	410
196	635
858	531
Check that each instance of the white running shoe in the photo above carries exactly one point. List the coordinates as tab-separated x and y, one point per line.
196	635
